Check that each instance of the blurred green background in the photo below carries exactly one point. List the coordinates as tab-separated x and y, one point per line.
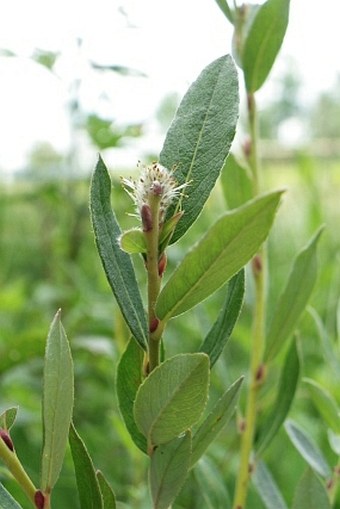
49	261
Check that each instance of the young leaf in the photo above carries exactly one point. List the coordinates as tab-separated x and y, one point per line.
219	334
6	500
117	264
267	488
173	397
129	378
7	418
294	298
109	499
287	388
168	470
325	403
308	449
264	41
236	183
87	483
310	493
223	5
216	420
57	402
222	252
200	137
133	241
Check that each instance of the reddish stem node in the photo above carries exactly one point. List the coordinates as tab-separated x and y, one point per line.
39	499
7	439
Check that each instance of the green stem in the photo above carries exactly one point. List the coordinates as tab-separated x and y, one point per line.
256	371
13	464
333	485
154	280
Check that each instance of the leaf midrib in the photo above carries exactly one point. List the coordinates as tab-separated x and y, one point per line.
215	260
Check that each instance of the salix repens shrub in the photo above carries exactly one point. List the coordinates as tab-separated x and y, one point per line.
163	399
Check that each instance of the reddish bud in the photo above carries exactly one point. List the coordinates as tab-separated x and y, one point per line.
7	439
146	218
153	325
329	484
39	499
260	373
246	147
162	265
242	425
257	265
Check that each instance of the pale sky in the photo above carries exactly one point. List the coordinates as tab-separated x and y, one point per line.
171	42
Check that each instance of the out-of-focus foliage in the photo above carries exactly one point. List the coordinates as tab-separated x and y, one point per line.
49	260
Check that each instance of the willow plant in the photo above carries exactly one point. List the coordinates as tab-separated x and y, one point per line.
163	399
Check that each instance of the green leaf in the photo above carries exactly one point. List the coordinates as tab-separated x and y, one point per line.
223	5
236	183
267	488
294	298
308	449
173	397
220	332
214	494
216	420
117	264
222	252
325	403
129	378
168	470
109	499
334	441
287	388
264	41
167	231
310	493
87	482
7	418
200	137
133	241
6	500
57	402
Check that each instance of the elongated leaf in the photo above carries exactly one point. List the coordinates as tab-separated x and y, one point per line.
222	252
7	418
215	494
109	499
133	241
310	493
173	397
267	488
219	334
223	5
87	482
325	403
236	183
129	378
200	136
293	299
168	470
264	41
6	500
308	449
334	441
216	420
287	388
117	264
57	402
